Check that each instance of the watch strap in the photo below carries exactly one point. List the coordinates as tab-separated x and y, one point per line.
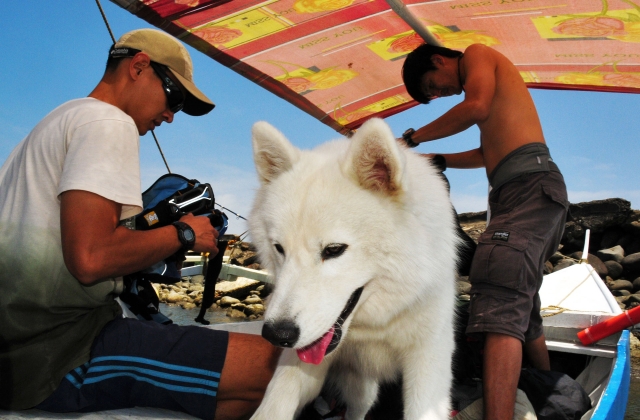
186	235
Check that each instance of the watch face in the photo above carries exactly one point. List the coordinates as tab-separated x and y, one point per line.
188	235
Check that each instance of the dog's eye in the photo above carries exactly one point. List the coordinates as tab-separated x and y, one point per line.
279	248
333	251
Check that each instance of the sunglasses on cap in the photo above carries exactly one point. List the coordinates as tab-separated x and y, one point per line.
175	97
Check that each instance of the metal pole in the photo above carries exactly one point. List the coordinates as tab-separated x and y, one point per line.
405	14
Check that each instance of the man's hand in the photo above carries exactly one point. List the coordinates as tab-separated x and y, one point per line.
406	137
206	235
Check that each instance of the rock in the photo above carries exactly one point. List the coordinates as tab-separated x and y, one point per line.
173	297
634	298
188	305
615	253
614	269
548	268
563	264
234	313
594	261
256	309
227	301
464	287
239	306
252	300
621	293
197	279
195	288
636	285
555	258
194	294
621	285
631	262
238	289
610	237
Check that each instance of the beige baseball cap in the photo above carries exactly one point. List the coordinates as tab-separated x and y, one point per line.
164	49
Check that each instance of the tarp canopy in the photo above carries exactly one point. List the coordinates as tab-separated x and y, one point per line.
340	60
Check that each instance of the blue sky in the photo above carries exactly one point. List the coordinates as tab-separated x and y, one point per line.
54	53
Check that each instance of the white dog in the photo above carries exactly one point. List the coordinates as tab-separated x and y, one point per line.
359	238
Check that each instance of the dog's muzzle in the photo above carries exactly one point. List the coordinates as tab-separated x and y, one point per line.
286	333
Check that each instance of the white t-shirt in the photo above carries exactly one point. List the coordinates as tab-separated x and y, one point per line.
49	319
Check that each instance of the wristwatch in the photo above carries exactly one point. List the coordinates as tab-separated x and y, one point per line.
406	136
186	235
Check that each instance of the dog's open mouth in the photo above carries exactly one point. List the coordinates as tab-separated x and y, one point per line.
315	352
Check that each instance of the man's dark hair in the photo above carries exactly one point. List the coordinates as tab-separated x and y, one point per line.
417	63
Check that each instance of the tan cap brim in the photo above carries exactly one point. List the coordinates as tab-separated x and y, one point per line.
196	103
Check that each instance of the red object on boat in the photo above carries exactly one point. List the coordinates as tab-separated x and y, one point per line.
610	326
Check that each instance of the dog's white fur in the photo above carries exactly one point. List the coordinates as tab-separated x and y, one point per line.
392	210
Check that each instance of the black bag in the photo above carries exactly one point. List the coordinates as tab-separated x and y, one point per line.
166	201
554	395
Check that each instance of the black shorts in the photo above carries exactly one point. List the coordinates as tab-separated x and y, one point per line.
145	364
528	216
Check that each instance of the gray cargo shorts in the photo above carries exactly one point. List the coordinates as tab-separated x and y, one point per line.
527	223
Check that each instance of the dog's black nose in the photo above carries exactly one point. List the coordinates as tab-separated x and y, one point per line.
281	333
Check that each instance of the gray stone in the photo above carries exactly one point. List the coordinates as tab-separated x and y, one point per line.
636	285
464	287
621	293
234	313
621	285
615	253
563	264
255	309
252	300
614	269
555	258
228	301
632	262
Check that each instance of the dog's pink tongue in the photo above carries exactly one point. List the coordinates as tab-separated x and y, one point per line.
314	353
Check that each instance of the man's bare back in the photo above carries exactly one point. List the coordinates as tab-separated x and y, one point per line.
513	120
496	100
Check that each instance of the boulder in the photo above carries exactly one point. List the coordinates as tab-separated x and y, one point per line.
636	285
615	253
238	289
227	301
563	264
632	262
614	269
621	285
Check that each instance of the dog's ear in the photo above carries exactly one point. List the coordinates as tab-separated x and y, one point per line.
375	159
273	154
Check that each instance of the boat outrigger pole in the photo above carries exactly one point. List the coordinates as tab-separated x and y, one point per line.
405	14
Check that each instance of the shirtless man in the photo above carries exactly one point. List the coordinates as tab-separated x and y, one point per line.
528	203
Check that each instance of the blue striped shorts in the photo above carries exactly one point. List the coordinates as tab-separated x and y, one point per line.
145	364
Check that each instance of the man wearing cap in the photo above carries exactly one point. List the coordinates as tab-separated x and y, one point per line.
64	345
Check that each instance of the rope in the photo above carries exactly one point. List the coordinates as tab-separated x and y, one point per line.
559	308
160	149
106	22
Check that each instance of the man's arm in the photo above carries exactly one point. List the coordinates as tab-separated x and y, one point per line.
95	247
480	83
470	159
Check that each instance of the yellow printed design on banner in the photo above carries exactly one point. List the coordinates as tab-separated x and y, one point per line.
242	28
620	25
371	109
316	6
399	45
303	80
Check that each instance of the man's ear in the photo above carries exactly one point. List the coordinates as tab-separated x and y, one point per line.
138	63
437	60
